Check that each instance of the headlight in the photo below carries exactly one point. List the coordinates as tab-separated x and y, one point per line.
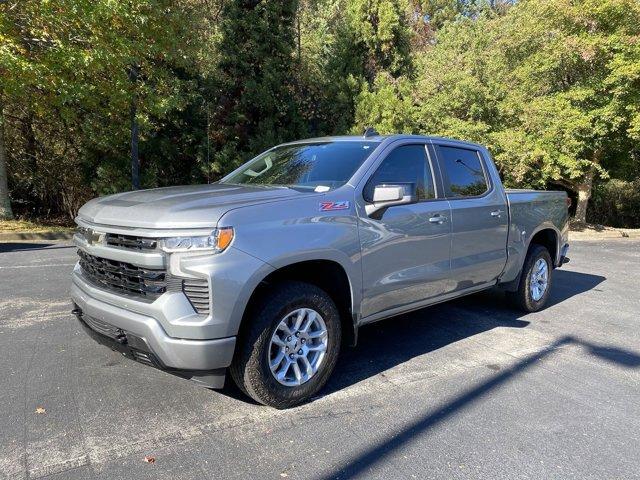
218	241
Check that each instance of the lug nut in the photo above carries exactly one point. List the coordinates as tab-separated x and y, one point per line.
291	356
286	349
303	341
289	338
300	352
297	334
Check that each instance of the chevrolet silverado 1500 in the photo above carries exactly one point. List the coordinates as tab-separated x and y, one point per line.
268	272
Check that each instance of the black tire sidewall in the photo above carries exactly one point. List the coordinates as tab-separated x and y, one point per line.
537	252
253	361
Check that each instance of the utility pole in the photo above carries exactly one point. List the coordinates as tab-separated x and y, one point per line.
5	200
135	162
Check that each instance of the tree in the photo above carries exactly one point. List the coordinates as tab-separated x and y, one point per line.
253	89
562	64
550	86
5	201
384	35
329	67
381	28
65	88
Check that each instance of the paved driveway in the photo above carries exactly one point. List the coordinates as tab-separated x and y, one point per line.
466	389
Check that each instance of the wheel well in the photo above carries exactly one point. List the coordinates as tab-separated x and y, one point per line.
325	274
548	239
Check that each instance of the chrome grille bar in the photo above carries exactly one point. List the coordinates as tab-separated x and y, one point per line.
196	290
130	241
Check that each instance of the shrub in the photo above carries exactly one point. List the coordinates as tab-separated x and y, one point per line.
616	203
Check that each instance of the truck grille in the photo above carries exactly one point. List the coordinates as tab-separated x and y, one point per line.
131	242
196	290
123	277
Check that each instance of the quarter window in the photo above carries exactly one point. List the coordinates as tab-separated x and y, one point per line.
463	172
404	165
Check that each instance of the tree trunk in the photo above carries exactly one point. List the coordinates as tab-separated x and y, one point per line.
135	161
5	202
584	194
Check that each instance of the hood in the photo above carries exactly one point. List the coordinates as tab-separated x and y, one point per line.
192	206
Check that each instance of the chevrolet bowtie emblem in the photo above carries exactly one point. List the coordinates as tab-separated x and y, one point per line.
91	236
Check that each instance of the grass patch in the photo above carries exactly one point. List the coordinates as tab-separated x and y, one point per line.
18	226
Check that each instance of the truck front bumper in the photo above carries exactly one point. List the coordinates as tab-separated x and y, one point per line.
143	338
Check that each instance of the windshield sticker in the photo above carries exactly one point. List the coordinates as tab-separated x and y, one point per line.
330	206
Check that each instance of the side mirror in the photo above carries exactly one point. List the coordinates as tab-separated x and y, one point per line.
385	196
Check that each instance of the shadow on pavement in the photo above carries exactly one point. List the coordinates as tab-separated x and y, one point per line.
28	246
385	344
357	465
399	339
388	343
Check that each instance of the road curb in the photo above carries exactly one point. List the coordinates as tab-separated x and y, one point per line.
590	236
45	235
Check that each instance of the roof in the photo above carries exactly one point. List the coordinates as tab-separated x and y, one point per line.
380	139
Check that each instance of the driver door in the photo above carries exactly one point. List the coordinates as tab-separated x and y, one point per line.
405	248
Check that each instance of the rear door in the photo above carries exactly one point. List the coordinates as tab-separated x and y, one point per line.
479	218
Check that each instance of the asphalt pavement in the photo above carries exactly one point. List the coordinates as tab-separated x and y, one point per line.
466	389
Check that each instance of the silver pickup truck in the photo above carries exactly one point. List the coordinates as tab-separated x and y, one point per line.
269	271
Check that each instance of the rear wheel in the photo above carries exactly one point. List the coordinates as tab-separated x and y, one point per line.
535	281
290	347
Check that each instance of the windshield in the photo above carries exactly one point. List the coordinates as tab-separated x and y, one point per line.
316	166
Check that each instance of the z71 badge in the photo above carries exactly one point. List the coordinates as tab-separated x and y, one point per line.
330	206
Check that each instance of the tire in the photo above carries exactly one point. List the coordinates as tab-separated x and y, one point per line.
250	368
524	299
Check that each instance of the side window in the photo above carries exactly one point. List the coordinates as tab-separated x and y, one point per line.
462	171
406	164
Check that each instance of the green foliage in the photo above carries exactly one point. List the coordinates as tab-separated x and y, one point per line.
330	67
387	105
442	12
253	93
616	203
552	87
383	35
557	58
66	90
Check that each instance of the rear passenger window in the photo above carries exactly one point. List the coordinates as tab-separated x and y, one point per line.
463	172
405	164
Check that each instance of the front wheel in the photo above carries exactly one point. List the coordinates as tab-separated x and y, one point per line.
290	347
535	281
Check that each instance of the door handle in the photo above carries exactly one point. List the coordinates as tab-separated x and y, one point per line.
439	219
496	213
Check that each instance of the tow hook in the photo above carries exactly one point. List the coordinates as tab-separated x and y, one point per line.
121	337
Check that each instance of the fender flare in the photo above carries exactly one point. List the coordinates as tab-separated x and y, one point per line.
512	285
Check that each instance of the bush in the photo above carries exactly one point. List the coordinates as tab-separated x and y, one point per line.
616	203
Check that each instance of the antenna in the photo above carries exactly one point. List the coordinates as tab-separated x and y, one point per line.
370	132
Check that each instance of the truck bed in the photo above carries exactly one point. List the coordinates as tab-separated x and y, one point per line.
529	212
529	209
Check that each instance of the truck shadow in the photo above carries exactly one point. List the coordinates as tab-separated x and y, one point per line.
391	342
394	341
30	246
363	461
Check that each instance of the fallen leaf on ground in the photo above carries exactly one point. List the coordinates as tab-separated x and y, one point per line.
40	410
149	459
